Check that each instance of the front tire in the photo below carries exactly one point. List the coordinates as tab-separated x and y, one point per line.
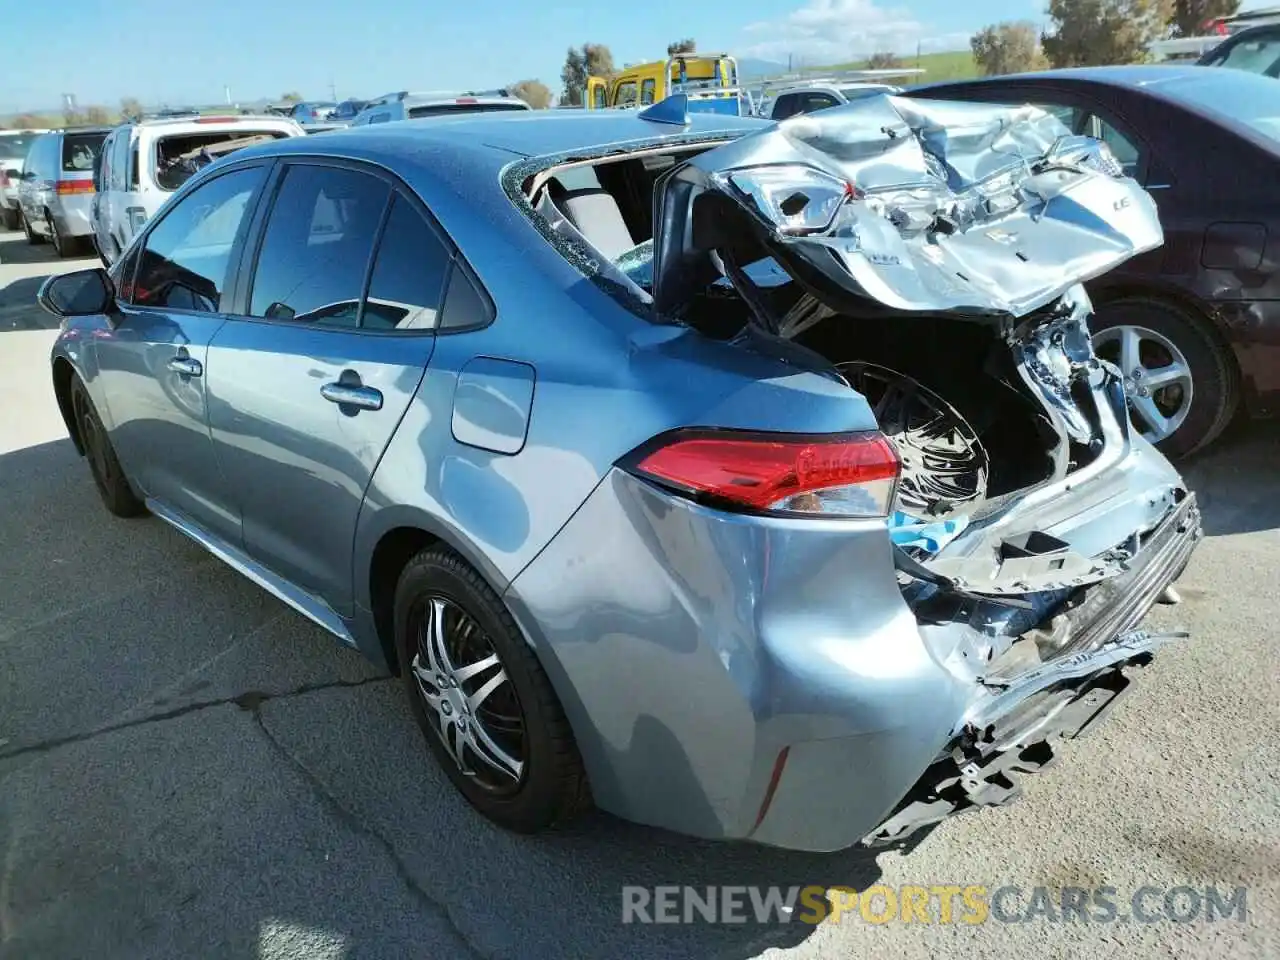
33	238
117	496
1182	385
483	702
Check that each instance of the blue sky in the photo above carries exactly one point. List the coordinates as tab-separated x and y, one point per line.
163	51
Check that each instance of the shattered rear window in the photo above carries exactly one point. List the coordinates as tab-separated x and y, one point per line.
181	156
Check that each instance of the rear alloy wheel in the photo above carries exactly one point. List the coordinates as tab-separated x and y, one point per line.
1180	386
482	699
63	246
108	477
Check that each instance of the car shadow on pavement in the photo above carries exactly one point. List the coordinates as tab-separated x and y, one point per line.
15	248
1235	479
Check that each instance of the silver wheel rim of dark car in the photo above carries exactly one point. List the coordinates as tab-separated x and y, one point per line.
93	441
473	708
1157	377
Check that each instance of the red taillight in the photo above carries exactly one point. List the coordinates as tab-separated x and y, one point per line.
65	187
466	100
4	180
849	475
215	119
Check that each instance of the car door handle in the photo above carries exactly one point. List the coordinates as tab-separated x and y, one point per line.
352	395
186	366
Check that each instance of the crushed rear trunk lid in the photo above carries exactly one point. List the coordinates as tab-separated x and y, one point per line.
902	205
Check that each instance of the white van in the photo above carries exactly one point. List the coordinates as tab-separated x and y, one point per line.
142	163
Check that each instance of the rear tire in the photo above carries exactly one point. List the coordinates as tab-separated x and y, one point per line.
117	496
1214	380
551	786
11	219
62	246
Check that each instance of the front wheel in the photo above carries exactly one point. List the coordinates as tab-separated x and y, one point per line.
108	477
483	702
33	238
1181	385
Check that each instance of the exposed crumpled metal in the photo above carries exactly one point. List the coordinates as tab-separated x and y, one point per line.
957	207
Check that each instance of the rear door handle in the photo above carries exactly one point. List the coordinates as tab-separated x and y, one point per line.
352	395
186	366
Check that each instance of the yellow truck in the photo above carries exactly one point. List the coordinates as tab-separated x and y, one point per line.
703	76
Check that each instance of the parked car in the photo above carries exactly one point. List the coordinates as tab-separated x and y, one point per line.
1256	50
1191	325
142	164
806	515
818	94
413	106
313	111
346	111
13	153
55	194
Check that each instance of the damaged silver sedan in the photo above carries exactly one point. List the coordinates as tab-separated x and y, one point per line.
753	481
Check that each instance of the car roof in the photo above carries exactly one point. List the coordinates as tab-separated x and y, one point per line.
211	120
1132	76
515	133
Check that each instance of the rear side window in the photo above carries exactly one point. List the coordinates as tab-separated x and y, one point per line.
408	274
80	151
316	247
648	90
436	109
184	261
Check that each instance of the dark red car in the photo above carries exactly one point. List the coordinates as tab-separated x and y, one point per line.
1194	325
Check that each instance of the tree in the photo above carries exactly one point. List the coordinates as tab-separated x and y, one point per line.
1093	32
97	115
589	60
533	92
1008	48
291	97
73	118
1191	16
131	108
687	45
883	61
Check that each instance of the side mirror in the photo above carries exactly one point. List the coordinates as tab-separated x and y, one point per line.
13	174
80	294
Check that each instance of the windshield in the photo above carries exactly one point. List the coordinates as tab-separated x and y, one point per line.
1248	98
1256	56
438	108
80	150
15	148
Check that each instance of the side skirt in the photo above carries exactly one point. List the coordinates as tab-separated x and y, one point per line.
313	608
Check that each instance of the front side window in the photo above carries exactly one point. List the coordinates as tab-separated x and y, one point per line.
316	247
184	261
408	273
647	90
626	95
1124	149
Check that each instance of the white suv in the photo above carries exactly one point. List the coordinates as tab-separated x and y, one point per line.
142	163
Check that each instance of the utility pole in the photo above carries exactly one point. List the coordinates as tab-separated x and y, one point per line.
333	90
226	91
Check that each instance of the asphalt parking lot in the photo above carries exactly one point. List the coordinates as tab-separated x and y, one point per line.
189	769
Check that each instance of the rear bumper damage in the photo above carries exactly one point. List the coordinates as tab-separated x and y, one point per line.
1012	728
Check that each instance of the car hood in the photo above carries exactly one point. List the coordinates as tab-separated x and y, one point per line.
895	204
